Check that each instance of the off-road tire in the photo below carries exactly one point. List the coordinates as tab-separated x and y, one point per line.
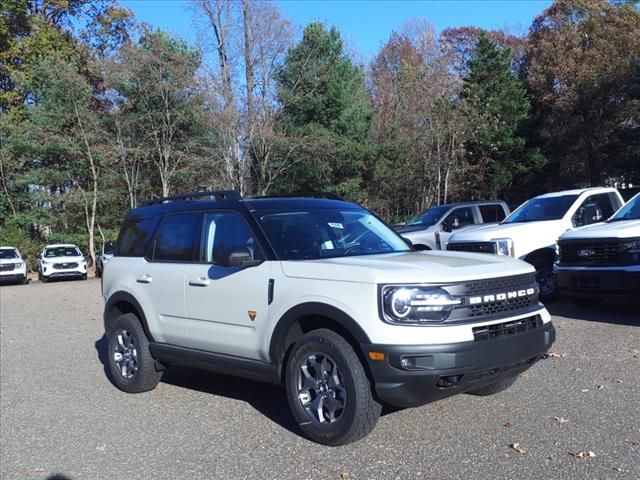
361	410
493	388
146	377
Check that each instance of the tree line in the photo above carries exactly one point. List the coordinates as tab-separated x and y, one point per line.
99	112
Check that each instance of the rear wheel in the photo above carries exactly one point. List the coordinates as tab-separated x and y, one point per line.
328	390
132	367
493	388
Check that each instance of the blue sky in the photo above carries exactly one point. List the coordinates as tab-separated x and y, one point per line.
365	25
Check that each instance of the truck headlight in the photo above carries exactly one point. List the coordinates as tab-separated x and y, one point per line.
634	246
412	305
504	246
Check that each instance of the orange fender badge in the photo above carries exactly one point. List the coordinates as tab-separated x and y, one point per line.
252	315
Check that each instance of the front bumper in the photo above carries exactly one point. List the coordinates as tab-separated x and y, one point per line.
14	276
605	281
435	372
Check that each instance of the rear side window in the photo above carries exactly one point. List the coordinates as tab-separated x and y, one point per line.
135	236
178	238
492	213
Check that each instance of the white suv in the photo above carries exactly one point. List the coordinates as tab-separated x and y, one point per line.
531	231
13	267
319	295
603	259
61	260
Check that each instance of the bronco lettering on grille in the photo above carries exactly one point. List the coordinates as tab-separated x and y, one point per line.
500	297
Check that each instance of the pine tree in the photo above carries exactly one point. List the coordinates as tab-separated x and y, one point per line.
325	115
498	107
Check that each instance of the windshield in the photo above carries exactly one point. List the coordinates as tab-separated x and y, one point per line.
328	233
542	209
108	248
8	253
429	217
631	211
62	252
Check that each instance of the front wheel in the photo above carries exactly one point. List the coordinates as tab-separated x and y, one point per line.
493	388
328	390
547	282
132	367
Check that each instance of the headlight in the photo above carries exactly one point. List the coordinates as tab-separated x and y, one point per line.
634	246
504	246
416	305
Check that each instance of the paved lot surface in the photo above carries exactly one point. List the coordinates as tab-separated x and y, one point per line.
62	419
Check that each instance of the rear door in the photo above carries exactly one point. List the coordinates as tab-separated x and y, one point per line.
227	307
159	279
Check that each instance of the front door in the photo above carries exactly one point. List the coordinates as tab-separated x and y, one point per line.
227	307
457	219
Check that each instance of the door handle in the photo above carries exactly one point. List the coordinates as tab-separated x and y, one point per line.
199	282
144	279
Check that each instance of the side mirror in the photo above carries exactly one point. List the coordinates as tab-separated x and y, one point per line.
236	257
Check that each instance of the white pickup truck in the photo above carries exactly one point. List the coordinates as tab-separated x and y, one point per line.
603	259
531	231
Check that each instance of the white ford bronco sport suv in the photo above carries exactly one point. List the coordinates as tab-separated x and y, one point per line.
319	295
432	228
531	231
603	259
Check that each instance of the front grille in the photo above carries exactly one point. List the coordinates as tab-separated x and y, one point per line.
611	252
478	247
506	329
494	297
7	267
64	266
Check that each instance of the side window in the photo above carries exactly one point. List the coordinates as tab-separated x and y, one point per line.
224	232
135	236
458	218
595	208
177	238
492	213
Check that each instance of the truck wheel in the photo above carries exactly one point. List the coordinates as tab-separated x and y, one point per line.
494	388
547	282
132	367
328	390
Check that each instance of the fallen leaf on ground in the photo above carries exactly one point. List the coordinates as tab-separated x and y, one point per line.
560	419
344	476
34	471
599	387
518	448
584	390
101	448
556	355
584	454
633	442
508	425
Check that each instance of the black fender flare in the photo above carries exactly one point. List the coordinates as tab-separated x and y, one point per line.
279	335
119	299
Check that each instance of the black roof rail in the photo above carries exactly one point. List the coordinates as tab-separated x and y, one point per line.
218	195
326	195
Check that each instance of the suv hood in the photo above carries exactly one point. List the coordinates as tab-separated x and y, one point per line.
414	228
534	234
621	229
63	259
436	267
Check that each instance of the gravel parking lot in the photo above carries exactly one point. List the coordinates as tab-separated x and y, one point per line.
61	417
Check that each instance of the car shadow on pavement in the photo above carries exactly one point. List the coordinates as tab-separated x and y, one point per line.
614	312
268	399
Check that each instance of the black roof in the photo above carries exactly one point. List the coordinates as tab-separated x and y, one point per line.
233	201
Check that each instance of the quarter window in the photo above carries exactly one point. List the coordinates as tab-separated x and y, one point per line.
177	238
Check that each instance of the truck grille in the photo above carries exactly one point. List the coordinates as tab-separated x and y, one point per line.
7	267
602	252
478	247
511	328
64	266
